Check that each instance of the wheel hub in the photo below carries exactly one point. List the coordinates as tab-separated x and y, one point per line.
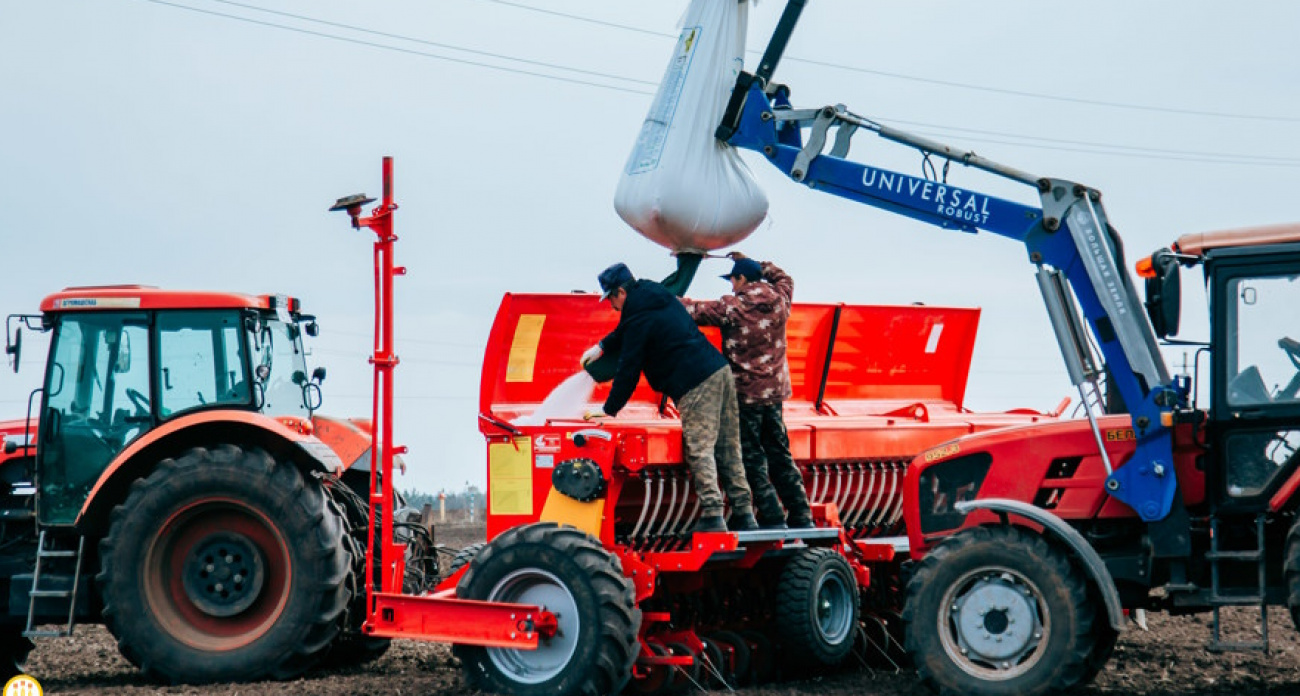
834	608
223	574
554	652
997	621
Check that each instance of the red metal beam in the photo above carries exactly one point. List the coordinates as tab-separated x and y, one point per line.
446	620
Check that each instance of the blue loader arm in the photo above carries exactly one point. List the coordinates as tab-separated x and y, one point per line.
1068	239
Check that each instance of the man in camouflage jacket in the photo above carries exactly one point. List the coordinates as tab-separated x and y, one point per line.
753	340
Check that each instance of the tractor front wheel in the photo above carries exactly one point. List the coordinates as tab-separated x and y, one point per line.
568	573
224	565
998	611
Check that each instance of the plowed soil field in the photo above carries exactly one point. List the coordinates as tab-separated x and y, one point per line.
1168	660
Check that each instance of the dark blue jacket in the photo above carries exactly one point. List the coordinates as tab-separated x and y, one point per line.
656	335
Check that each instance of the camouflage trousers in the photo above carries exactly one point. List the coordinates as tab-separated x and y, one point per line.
771	471
711	444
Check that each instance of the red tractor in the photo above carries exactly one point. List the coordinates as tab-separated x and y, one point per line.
173	480
1028	563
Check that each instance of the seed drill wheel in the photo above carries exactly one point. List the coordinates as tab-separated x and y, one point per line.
817	606
762	659
569	574
655	679
463	558
715	667
738	671
224	565
686	676
14	649
996	611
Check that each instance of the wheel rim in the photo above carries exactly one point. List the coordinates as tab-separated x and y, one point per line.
190	569
833	608
994	624
224	574
534	586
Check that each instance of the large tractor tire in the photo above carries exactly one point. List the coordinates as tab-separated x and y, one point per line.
464	557
998	611
14	649
1291	568
352	647
817	605
570	574
224	565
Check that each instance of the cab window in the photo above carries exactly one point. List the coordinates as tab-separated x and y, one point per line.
200	361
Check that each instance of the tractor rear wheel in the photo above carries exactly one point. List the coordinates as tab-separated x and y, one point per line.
998	611
353	647
224	565
1292	569
14	649
817	606
573	576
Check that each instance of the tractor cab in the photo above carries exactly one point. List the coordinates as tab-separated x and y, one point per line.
1252	281
127	359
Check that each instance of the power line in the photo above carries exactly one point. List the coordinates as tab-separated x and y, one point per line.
420	361
932	81
408	51
1120	150
1135	155
426	42
1134	148
400	340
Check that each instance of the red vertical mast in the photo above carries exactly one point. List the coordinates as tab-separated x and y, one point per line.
384	360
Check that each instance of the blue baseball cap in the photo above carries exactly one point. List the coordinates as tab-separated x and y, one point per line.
745	268
613	278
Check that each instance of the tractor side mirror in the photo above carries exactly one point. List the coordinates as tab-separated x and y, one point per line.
15	347
318	375
312	329
1163	303
311	396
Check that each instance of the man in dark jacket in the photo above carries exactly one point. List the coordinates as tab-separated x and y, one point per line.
753	339
656	336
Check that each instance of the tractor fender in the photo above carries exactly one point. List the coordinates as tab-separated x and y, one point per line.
1063	532
287	440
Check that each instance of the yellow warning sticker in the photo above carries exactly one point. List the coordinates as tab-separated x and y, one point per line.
523	349
510	477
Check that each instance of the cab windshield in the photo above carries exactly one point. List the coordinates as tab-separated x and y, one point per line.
279	367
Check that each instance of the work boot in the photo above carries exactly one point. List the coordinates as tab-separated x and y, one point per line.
710	523
804	521
800	516
772	523
743	523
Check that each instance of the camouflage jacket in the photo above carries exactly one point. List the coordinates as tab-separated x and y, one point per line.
753	334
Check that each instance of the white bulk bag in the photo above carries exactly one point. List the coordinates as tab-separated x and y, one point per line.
682	188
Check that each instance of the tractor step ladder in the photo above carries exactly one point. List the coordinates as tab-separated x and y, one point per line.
44	553
1219	599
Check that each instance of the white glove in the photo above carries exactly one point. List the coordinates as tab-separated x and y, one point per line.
593	353
595	413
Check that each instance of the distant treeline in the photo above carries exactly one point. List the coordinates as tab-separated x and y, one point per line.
461	501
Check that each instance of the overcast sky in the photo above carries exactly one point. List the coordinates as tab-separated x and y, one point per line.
197	144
